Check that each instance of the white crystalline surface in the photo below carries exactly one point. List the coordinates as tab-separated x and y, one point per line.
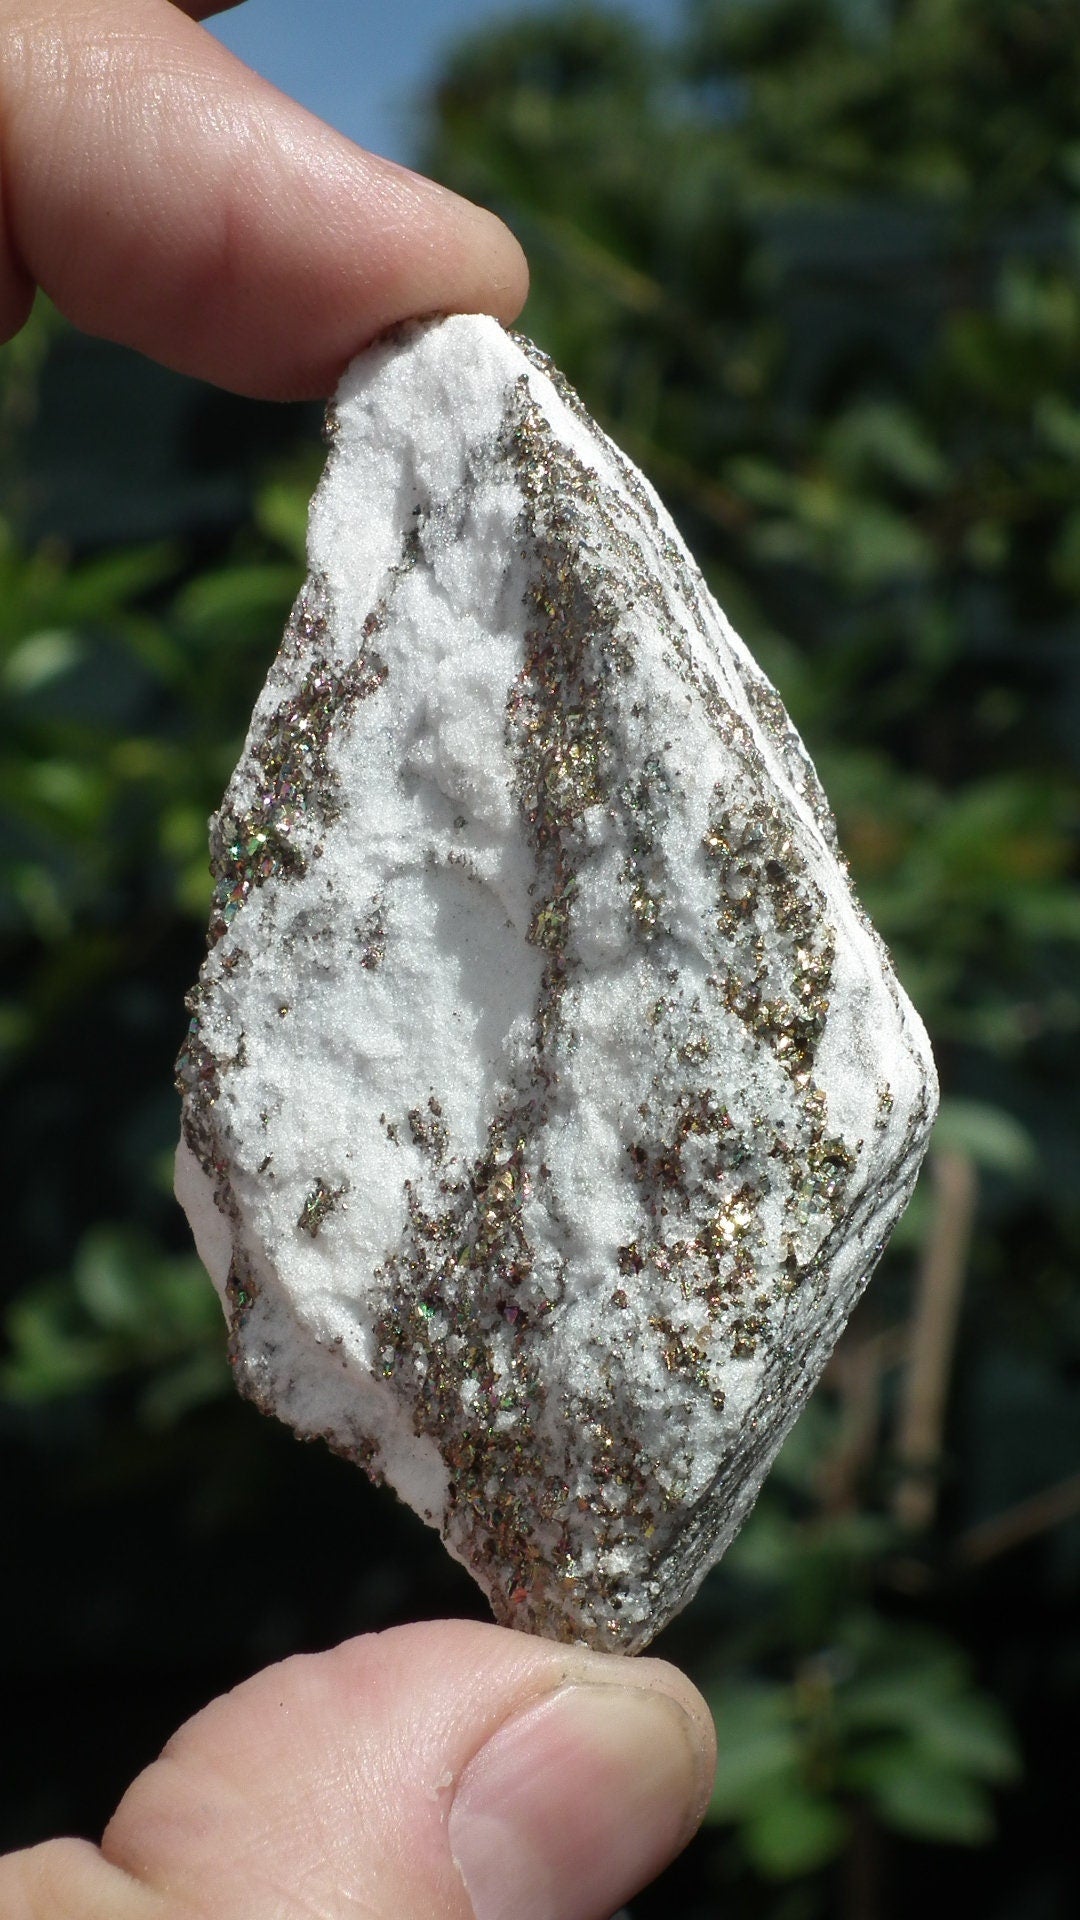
548	1097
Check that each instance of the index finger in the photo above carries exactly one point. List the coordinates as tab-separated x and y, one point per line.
166	197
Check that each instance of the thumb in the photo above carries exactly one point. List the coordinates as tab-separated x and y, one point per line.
440	1772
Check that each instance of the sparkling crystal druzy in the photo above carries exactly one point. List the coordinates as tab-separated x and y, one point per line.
548	1096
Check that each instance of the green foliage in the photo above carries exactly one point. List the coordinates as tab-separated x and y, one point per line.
123	1308
124	682
888	1717
830	1711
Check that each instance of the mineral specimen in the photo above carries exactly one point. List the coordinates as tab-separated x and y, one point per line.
548	1097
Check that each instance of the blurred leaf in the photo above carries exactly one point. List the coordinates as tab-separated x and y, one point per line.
39	659
257	597
950	1723
793	1833
883	436
1058	422
917	1794
176	1391
756	1747
991	1138
124	1307
970	1733
281	510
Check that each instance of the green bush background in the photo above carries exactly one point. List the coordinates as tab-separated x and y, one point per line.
816	264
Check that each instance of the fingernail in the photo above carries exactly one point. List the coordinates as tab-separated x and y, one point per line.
577	1803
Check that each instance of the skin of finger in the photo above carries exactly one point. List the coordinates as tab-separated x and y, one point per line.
69	1880
166	197
333	1774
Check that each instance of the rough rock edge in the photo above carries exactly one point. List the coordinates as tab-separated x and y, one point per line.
519	1551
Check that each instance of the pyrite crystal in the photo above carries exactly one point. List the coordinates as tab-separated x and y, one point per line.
548	1097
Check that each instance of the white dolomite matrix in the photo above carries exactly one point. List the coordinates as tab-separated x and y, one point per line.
548	1097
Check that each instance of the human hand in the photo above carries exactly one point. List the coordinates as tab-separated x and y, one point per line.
166	197
443	1772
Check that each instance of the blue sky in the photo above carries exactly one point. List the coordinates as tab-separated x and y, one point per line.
363	64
